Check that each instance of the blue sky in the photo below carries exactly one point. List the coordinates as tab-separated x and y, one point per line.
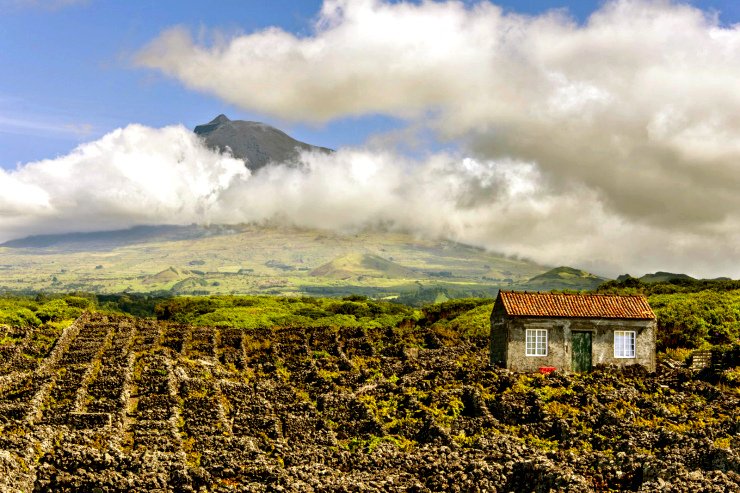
68	75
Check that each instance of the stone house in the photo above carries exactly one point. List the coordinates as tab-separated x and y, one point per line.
571	332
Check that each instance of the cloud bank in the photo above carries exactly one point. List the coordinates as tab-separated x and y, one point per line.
140	175
612	145
134	175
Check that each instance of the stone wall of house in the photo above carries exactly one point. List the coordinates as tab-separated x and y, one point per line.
499	339
559	354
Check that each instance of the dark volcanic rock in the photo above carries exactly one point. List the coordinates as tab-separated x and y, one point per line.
256	143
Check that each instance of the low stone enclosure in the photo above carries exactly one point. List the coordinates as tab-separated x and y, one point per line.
117	404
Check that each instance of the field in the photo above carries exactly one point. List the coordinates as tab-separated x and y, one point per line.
113	403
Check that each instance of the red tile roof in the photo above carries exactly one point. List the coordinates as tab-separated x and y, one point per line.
575	305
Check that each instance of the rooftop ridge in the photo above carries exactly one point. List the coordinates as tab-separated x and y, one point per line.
572	294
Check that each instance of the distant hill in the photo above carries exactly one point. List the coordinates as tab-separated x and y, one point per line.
363	264
564	278
256	143
664	277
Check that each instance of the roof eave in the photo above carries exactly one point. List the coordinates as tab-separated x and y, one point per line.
580	317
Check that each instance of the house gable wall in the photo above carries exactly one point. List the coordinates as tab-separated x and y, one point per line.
499	336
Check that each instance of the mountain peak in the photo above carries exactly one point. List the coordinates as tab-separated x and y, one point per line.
219	119
214	124
257	144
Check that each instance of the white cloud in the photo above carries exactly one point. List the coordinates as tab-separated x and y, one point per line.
135	175
630	118
139	175
43	126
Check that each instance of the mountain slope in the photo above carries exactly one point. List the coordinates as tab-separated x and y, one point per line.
270	259
105	240
265	259
256	143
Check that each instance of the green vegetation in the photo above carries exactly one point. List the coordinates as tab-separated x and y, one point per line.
697	320
26	311
270	311
631	285
462	318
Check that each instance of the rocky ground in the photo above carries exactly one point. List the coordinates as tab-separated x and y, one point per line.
124	405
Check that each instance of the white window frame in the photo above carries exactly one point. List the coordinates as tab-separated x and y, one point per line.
535	341
626	349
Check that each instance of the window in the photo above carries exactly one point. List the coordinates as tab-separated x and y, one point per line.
624	344
536	342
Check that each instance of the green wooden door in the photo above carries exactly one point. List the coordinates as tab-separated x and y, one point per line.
581	344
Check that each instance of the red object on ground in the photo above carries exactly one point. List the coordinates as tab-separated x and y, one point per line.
547	369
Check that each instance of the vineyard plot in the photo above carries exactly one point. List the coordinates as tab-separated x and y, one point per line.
117	404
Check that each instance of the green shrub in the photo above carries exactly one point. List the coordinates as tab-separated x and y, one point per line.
697	320
271	311
57	310
19	317
79	302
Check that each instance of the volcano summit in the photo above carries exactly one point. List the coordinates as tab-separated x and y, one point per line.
256	143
